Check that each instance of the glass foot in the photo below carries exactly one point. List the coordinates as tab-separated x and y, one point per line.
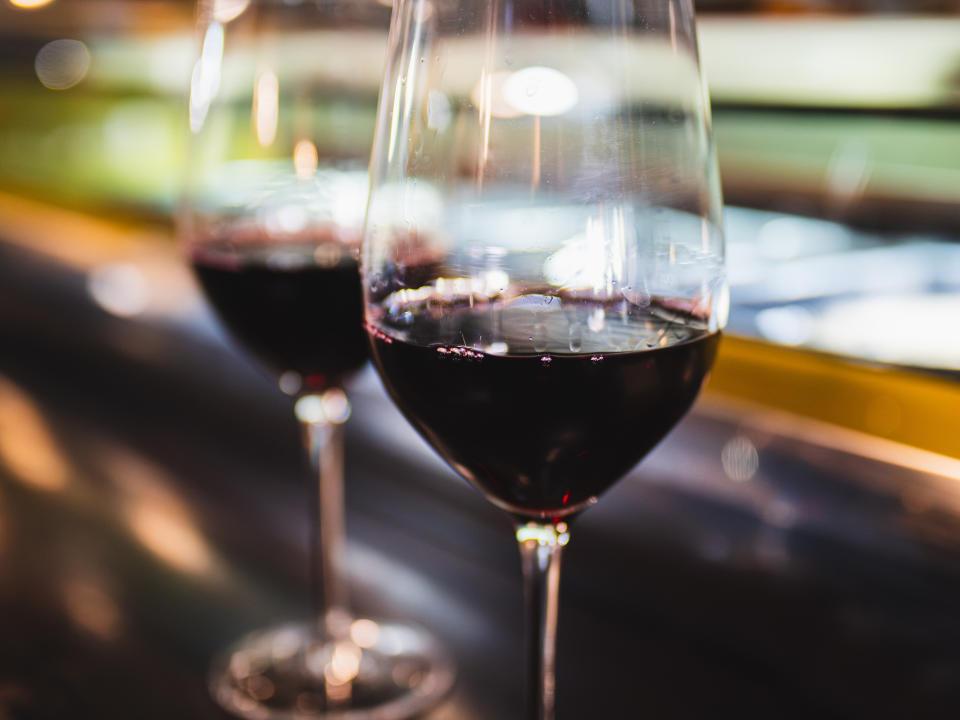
377	671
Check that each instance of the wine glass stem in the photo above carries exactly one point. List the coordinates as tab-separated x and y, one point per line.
324	441
541	546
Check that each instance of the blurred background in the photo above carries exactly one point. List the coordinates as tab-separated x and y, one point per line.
792	549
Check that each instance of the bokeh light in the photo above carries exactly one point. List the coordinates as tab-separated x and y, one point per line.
27	446
266	110
63	63
157	516
740	459
119	288
540	91
90	607
226	10
305	159
30	4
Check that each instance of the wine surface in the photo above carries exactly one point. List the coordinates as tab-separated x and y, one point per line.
296	308
540	428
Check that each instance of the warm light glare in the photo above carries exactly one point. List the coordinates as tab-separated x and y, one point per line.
309	409
305	159
61	64
345	663
157	517
169	534
336	406
330	407
543	535
30	4
226	10
484	285
27	446
266	107
364	633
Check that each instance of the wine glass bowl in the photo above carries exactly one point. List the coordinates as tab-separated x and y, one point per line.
543	256
541	433
277	181
282	109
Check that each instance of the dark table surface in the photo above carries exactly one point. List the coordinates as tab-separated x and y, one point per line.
153	508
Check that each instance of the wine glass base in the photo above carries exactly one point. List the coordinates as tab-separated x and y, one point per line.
379	671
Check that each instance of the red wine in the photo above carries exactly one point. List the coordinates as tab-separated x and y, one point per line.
542	433
297	308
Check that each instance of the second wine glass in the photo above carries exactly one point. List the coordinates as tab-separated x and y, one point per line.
281	113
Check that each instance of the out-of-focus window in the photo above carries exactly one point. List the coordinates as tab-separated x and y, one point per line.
93	96
838	132
837	126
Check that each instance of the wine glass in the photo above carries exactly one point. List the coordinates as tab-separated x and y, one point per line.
543	263
282	112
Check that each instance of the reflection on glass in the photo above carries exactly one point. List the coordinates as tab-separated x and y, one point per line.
739	459
206	75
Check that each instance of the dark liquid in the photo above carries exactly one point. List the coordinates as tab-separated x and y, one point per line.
541	434
291	311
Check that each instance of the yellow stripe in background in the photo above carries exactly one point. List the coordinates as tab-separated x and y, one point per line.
907	407
77	239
